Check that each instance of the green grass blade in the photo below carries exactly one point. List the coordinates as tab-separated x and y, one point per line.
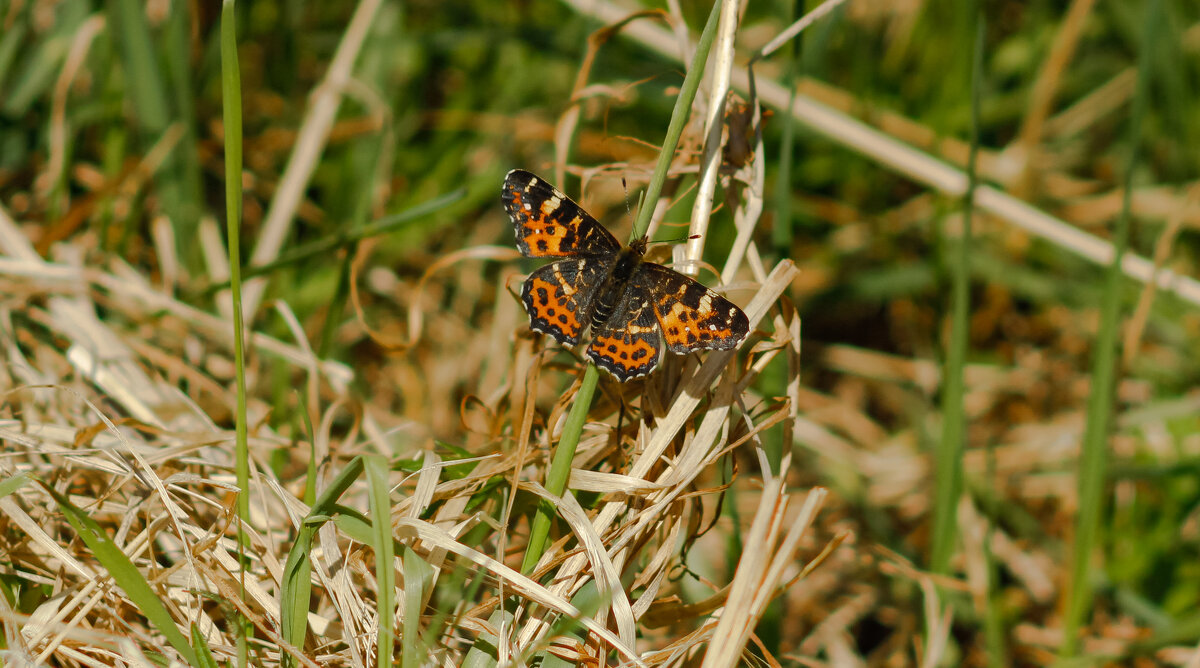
1093	461
204	656
231	107
13	484
125	574
418	576
949	455
376	468
295	588
295	584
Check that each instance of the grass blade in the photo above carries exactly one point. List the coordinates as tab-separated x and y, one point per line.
948	479
1093	459
385	558
204	656
295	584
125	574
13	484
231	108
418	576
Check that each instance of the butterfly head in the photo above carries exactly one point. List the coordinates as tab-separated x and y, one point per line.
638	246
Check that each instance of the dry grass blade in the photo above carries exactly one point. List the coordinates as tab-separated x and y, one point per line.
796	28
435	537
760	570
714	131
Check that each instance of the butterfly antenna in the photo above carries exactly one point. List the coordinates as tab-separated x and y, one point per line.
675	241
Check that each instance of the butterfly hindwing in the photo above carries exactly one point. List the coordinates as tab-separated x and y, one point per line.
629	345
692	317
550	224
559	296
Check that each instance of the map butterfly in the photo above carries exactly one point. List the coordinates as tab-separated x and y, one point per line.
631	308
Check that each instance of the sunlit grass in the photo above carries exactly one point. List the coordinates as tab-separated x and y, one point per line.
361	482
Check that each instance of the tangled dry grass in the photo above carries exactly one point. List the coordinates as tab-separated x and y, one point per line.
99	411
699	503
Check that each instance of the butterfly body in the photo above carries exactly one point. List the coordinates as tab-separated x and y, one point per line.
610	291
632	309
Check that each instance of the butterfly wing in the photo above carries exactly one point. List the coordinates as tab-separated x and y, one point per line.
558	297
692	317
549	224
629	344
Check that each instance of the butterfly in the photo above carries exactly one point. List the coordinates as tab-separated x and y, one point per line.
632	308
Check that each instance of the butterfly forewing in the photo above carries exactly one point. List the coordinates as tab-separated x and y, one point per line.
549	224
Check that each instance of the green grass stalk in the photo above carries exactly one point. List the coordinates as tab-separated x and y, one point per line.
948	480
994	631
1093	460
231	107
376	467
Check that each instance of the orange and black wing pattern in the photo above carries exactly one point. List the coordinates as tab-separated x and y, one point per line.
629	345
692	317
558	297
633	308
549	224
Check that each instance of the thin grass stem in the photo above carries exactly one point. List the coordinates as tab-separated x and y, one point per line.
948	480
231	106
1093	459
